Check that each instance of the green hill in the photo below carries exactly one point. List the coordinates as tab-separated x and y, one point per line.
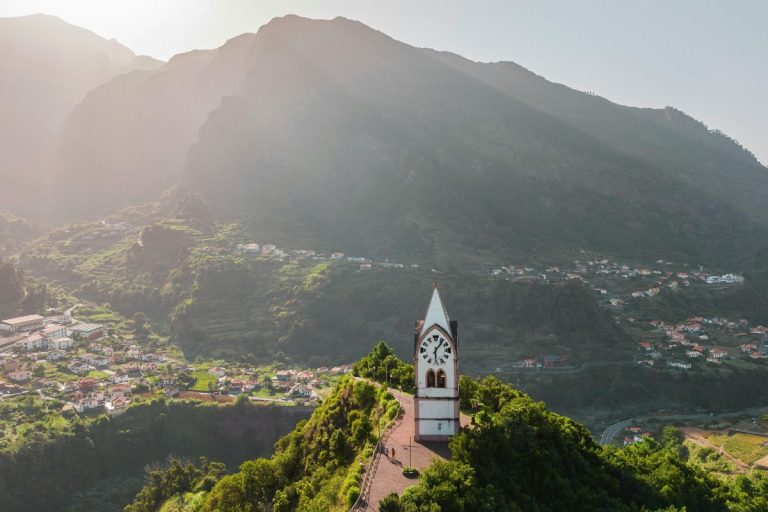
325	313
516	456
187	277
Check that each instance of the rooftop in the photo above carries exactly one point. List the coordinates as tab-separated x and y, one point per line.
84	327
22	319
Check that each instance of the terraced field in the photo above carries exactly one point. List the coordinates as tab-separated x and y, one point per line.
748	448
203	381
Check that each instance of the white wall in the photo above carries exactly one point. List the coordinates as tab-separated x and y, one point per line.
438	428
436	409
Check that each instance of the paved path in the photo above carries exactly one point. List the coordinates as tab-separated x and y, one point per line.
389	472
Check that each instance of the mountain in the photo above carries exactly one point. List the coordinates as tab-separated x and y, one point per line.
48	66
339	135
129	137
327	132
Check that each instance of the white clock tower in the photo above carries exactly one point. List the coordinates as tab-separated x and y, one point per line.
436	360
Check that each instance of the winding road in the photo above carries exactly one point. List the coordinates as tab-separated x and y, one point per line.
610	432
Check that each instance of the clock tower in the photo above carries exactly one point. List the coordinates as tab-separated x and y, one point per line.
436	361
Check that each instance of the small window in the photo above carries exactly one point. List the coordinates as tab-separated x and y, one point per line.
441	379
430	378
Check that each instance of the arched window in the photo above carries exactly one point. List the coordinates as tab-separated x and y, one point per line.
430	378
441	379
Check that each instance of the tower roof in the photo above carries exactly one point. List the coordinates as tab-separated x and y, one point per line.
436	313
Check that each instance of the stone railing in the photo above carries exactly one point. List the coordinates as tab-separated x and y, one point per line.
370	472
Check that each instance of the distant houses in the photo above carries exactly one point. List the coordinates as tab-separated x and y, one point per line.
725	279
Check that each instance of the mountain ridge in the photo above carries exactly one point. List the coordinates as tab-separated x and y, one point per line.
522	142
334	133
42	79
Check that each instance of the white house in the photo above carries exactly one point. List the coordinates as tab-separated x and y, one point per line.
300	390
116	406
60	343
53	331
20	375
718	353
218	371
86	403
34	341
55	355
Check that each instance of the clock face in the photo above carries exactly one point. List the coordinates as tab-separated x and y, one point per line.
435	349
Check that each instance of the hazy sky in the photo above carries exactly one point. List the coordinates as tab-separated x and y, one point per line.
708	58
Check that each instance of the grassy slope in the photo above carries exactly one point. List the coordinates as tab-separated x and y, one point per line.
225	305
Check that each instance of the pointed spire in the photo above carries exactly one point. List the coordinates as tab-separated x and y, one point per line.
436	313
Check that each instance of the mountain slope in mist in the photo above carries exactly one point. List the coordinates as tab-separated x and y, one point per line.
333	134
48	66
343	136
132	134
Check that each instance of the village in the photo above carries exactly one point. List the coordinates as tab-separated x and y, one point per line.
295	256
620	288
625	290
93	369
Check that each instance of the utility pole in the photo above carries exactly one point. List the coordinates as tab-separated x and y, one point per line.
410	451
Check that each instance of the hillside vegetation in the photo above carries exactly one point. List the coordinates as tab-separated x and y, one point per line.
19	295
186	276
14	232
315	467
517	456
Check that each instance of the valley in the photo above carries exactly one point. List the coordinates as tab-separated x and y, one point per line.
581	334
214	269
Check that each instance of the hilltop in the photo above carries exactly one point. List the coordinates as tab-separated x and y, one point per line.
516	455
